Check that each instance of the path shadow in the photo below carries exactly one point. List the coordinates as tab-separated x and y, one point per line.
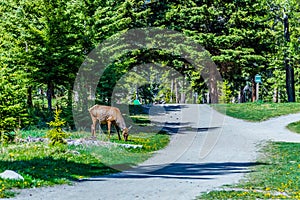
182	129
184	171
162	109
173	124
54	170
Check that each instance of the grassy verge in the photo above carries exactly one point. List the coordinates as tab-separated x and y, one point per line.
257	111
42	165
277	176
128	157
295	127
141	120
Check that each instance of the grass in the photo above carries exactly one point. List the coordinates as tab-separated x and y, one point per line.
277	175
32	133
41	165
257	111
295	127
130	157
141	120
44	165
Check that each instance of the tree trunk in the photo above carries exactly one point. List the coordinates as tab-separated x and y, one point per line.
171	95
29	97
182	95
84	98
275	95
290	83
241	96
176	91
213	85
253	90
136	91
70	92
49	95
70	107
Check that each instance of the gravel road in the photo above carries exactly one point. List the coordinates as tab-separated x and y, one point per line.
207	150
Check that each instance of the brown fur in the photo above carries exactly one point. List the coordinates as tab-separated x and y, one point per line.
108	115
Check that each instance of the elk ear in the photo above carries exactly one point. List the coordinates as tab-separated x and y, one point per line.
129	128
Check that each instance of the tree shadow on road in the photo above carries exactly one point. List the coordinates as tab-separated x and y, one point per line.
183	128
185	171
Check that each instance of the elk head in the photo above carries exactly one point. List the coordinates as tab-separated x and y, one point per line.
125	133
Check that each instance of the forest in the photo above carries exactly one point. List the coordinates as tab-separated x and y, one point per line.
43	44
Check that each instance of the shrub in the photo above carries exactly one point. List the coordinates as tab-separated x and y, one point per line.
226	92
7	137
56	133
13	113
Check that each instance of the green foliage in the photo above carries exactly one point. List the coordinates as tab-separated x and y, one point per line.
8	137
43	43
226	92
229	31
40	116
282	49
258	111
13	112
56	134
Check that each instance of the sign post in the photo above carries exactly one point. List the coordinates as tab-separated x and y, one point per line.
195	97
257	81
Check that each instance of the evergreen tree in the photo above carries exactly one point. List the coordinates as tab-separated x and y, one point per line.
284	58
13	74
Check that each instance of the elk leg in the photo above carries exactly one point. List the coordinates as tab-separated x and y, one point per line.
118	130
108	128
93	127
100	129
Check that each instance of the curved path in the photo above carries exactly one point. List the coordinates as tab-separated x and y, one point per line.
207	150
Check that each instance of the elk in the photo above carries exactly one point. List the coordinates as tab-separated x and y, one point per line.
108	115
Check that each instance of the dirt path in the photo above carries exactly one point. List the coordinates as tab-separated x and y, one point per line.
207	151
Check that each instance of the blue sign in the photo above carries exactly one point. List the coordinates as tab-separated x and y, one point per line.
257	78
136	102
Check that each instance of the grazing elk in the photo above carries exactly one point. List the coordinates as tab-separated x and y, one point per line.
108	115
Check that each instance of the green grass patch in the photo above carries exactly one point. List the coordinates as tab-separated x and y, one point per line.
141	120
44	165
233	195
150	141
257	111
32	133
41	165
295	127
278	176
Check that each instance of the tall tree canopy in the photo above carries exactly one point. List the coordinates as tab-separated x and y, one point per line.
43	43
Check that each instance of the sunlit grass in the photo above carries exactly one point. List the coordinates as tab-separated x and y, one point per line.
295	127
150	141
141	120
276	177
42	165
32	133
257	111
